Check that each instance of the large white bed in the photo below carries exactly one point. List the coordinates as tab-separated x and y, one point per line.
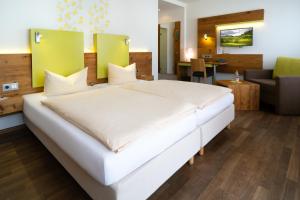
104	165
140	168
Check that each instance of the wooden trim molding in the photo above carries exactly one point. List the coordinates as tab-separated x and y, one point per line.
240	62
247	16
17	68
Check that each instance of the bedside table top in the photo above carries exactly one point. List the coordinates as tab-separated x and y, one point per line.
227	83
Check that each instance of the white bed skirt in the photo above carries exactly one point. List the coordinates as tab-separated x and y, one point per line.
138	185
213	127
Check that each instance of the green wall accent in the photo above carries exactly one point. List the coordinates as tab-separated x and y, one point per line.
110	49
61	52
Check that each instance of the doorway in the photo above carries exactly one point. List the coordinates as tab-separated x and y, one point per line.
171	37
169	47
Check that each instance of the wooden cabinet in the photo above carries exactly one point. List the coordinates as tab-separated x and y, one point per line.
246	94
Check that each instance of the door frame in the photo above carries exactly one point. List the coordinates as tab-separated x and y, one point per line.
176	45
158	47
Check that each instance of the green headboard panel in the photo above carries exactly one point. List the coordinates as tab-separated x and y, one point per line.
61	52
110	49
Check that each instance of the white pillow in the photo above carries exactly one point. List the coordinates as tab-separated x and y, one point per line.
56	84
118	74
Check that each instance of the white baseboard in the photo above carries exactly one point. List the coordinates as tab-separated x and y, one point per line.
11	121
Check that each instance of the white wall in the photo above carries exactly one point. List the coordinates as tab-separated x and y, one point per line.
135	18
174	14
279	35
11	121
170	46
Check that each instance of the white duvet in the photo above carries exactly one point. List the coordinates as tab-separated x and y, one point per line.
198	94
116	116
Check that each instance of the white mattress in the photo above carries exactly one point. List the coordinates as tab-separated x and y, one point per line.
210	111
203	115
102	164
105	166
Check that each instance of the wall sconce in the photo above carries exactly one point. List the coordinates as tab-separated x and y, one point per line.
205	36
38	37
127	41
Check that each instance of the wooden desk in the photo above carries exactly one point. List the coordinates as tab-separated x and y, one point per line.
212	64
246	94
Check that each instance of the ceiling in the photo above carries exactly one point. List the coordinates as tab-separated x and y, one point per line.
187	1
162	5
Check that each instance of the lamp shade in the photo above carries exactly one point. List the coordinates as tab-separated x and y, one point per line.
189	53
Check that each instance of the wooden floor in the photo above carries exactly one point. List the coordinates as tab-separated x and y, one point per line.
167	77
258	158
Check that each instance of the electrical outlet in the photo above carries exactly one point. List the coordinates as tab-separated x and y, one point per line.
7	87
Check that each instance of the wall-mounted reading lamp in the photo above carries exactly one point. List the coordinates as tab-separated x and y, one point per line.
205	36
127	41
38	37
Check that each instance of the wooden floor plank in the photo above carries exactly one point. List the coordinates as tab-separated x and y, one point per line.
261	193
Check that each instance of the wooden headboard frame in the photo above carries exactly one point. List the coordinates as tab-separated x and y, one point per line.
17	68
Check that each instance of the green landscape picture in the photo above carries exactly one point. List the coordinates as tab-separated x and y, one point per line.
237	37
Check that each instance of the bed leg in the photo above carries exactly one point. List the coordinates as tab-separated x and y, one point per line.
229	126
201	152
191	161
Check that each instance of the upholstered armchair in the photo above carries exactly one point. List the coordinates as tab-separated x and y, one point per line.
279	87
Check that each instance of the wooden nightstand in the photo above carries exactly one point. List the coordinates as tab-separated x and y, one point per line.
11	105
246	94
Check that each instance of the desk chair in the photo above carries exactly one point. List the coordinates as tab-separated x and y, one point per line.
199	70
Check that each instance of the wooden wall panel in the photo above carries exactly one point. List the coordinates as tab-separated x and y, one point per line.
247	16
17	68
144	64
208	26
90	61
240	62
207	46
